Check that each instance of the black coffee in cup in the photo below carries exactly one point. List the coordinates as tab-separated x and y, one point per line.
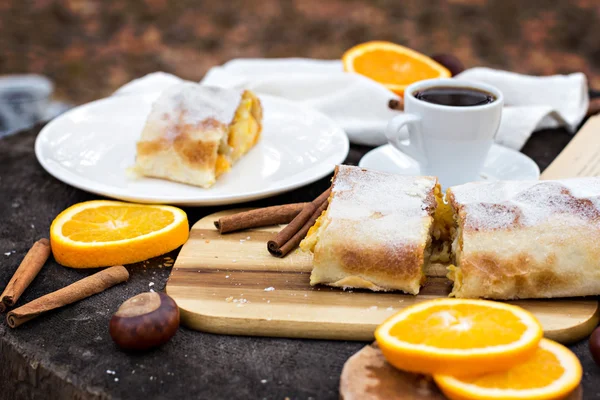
455	96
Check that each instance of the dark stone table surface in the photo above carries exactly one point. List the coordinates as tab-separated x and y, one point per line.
69	353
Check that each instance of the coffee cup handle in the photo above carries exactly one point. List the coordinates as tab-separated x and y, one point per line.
414	148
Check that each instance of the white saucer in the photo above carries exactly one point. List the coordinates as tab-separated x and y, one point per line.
501	163
92	146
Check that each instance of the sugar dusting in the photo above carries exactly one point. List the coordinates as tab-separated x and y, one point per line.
194	104
360	193
500	205
381	207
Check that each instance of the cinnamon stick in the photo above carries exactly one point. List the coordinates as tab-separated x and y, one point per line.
28	269
292	235
260	217
397	105
79	290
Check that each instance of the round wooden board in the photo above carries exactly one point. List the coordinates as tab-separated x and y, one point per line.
367	376
230	284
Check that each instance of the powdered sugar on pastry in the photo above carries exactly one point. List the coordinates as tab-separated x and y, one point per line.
195	103
358	193
500	205
389	209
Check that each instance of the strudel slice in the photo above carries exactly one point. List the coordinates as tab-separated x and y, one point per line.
376	231
526	239
195	133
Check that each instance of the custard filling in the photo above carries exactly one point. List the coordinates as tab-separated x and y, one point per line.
443	227
454	272
312	236
242	135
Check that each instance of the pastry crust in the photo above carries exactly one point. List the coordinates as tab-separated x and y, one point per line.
195	133
535	239
375	233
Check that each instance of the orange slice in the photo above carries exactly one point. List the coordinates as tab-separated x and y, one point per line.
103	233
392	65
551	373
459	337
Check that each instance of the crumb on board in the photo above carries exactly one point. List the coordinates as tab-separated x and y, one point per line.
241	302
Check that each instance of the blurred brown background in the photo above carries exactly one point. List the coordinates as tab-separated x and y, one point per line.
91	47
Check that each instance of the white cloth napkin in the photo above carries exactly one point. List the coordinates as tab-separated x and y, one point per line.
534	102
360	105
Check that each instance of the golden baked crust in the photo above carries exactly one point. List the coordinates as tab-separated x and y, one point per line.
195	133
376	232
527	239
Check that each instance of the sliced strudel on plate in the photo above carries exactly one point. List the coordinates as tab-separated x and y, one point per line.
195	133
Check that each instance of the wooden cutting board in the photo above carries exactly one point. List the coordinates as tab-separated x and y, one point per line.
230	284
367	376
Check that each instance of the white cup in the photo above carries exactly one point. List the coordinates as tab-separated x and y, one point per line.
449	142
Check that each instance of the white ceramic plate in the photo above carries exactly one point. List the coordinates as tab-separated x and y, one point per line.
501	163
91	147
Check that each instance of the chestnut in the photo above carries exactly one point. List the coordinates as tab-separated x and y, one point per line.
449	61
595	345
144	321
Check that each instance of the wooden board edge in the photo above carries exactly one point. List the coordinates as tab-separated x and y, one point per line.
274	328
237	326
578	332
367	376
